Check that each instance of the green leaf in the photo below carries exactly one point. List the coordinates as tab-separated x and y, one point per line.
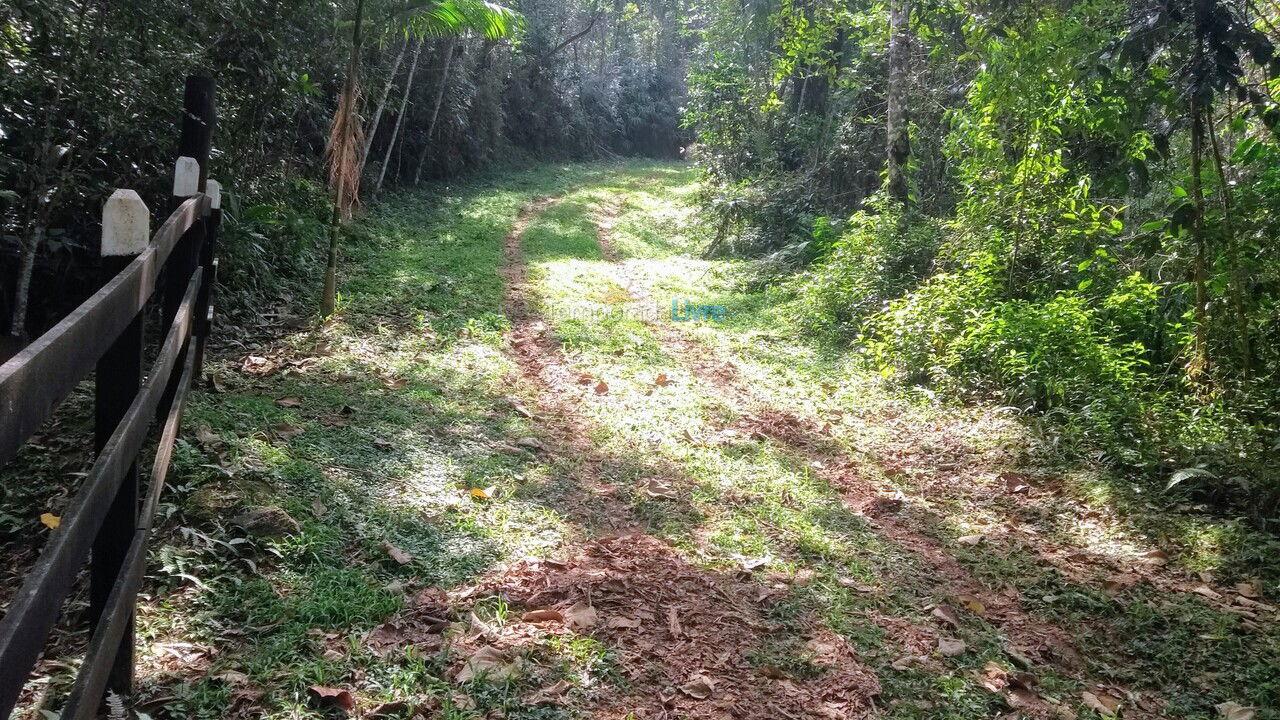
1186	474
1179	191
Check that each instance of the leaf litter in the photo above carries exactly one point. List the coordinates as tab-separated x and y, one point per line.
682	635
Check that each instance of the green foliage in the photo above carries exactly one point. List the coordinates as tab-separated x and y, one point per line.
272	248
876	258
1049	261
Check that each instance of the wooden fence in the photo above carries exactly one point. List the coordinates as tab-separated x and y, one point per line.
108	521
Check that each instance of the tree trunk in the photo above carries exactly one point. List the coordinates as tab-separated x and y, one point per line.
382	103
329	299
898	138
435	110
395	131
1236	288
1200	359
22	290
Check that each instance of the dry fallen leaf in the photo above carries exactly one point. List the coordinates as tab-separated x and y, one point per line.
905	662
661	380
580	617
286	431
857	585
951	647
548	694
946	614
1206	591
339	697
1100	702
232	677
50	520
1117	583
601	388
490	662
207	437
1235	711
289	402
1021	697
655	488
391	709
1249	590
484	493
993	677
699	687
396	553
544	615
1155	557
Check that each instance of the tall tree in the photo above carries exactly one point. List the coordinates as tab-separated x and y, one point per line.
896	129
382	101
435	108
344	162
395	130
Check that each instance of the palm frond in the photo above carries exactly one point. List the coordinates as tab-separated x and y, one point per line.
346	141
454	17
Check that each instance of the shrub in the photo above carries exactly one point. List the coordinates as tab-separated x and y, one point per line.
873	261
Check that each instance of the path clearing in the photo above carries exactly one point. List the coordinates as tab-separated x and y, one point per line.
507	482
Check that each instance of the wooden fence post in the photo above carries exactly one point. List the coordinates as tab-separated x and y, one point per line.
209	261
126	231
178	268
190	174
198	119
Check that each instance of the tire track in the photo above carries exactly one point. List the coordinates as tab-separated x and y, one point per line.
559	396
1029	638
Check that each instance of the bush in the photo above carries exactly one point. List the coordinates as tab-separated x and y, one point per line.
870	263
272	243
913	337
1038	355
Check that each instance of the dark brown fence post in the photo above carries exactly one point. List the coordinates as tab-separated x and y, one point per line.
126	231
209	261
198	118
190	174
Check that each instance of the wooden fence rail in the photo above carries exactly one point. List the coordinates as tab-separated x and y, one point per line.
107	523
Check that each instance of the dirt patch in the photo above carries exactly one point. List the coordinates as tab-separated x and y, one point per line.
689	642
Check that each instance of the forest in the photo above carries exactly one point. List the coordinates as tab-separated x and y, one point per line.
676	358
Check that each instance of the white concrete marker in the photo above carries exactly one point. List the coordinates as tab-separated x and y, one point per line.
126	224
213	189
186	177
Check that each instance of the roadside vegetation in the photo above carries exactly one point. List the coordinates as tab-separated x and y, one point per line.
464	496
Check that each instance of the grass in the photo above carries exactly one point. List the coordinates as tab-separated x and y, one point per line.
372	431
